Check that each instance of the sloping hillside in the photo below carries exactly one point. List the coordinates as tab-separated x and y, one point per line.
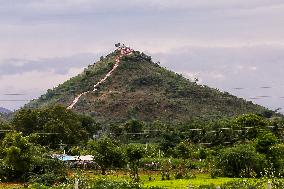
141	89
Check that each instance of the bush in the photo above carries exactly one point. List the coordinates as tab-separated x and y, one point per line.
96	184
275	156
107	184
264	141
241	160
211	186
244	184
22	160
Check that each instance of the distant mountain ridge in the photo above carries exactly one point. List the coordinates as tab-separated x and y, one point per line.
5	111
4	114
143	90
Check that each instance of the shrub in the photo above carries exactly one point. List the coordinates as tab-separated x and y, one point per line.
245	184
275	156
241	160
22	160
100	184
264	141
211	186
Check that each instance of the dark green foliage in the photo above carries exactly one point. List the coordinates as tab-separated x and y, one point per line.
55	125
22	160
134	154
25	121
275	156
265	141
107	153
148	81
254	124
182	150
251	120
5	126
241	160
2	117
169	141
133	126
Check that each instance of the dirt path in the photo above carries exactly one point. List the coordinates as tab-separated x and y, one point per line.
124	51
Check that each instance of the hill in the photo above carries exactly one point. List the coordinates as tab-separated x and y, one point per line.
5	111
4	114
141	89
2	118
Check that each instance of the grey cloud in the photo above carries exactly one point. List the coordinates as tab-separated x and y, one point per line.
58	65
249	68
55	5
251	62
49	9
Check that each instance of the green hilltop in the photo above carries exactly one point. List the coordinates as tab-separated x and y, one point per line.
143	90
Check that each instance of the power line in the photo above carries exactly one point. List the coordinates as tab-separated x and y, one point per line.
13	94
16	100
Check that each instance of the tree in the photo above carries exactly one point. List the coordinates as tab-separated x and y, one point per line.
101	58
21	159
134	126
250	120
241	160
169	141
56	125
134	155
26	121
265	141
4	126
275	157
255	124
182	150
107	153
115	130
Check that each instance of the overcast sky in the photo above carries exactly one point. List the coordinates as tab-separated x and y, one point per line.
226	44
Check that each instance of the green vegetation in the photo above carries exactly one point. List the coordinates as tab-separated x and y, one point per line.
136	154
22	160
241	161
3	117
143	90
107	153
146	127
54	125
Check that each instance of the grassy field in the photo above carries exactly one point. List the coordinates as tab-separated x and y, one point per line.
11	185
156	180
185	183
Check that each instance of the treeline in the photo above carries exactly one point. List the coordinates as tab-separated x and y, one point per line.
245	146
